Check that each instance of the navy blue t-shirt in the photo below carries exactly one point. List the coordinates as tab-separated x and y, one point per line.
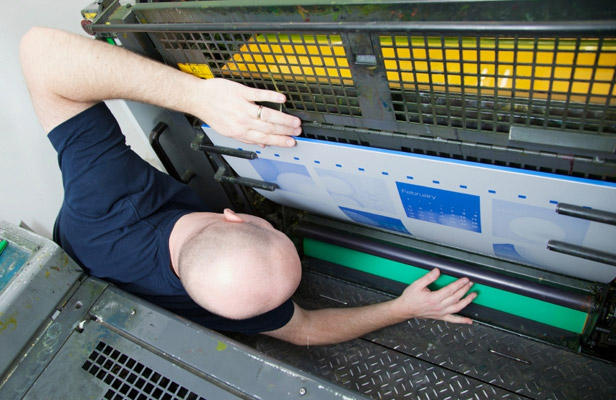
118	213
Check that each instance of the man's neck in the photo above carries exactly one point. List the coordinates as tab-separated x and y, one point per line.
184	229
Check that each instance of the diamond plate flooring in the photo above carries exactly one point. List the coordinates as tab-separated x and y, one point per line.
382	373
425	359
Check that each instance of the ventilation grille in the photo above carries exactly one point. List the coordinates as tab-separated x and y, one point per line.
129	379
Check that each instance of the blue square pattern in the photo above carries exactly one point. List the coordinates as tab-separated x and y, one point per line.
377	220
444	207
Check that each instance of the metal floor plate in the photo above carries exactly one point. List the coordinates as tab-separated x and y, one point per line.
382	373
435	360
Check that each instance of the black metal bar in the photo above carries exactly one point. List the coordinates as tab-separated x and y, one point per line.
590	214
221	176
225	151
596	27
197	144
582	252
577	301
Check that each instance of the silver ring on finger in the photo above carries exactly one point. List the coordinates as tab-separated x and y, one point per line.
259	112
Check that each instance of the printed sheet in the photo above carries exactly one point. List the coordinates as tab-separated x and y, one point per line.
497	211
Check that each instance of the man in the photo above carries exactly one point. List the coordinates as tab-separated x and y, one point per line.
126	222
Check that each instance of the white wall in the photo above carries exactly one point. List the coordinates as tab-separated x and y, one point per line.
30	181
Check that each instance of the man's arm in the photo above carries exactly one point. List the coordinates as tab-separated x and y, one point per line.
67	74
335	325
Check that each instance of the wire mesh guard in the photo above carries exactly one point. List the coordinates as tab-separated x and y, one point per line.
471	82
490	84
129	379
312	70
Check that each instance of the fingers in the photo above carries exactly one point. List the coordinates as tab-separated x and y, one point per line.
456	319
427	279
442	304
452	296
233	113
276	118
253	94
460	303
262	138
455	289
458	294
271	127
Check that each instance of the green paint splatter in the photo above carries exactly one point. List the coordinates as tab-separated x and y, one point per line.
221	346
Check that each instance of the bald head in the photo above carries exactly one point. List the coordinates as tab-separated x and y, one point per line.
239	268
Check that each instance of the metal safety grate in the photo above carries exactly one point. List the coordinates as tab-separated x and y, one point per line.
496	83
468	88
491	83
129	379
485	84
311	69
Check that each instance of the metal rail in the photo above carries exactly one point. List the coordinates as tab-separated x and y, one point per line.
394	26
571	210
582	252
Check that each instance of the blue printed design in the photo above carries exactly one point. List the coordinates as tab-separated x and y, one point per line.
444	207
508	251
356	191
380	221
289	177
536	225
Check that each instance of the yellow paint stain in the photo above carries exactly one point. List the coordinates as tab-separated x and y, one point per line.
221	346
199	70
10	321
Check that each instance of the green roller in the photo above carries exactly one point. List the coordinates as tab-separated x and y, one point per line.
512	303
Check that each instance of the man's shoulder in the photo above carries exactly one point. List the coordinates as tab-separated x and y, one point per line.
97	118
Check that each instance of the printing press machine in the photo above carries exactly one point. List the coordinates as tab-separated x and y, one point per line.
478	137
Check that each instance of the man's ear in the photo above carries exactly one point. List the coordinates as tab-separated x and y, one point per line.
231	216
